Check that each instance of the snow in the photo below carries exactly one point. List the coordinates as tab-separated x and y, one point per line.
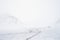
13	30
34	20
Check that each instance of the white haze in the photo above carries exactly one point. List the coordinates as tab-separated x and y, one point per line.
32	12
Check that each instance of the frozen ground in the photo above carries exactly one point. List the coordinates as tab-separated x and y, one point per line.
10	29
31	34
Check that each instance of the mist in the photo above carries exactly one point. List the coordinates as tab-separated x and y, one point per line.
32	12
18	16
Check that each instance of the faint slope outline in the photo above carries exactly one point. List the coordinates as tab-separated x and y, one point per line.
9	19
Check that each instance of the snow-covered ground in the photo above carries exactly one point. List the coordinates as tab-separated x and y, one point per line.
30	34
12	29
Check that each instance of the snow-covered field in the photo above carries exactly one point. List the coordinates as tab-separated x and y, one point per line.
11	29
47	33
33	34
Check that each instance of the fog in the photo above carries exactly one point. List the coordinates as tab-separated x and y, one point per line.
32	12
26	15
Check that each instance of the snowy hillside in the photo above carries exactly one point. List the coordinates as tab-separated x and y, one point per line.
11	29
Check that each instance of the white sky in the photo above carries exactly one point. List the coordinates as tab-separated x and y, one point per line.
32	12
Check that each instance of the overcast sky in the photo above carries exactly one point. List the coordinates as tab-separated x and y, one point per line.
32	12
